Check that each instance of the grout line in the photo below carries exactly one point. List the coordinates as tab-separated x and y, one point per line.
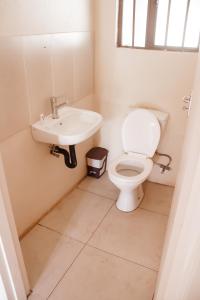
154	212
84	245
123	258
101	250
61	234
100	224
160	184
75	258
85	190
51	208
76	186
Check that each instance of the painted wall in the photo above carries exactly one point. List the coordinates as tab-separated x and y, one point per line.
180	265
43	52
127	77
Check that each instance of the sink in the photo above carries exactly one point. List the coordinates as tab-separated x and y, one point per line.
73	127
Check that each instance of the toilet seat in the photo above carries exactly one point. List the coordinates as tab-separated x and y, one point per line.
140	138
131	160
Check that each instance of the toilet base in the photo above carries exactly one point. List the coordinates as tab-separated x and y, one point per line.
129	200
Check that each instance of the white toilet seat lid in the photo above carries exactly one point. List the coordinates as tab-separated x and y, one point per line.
141	132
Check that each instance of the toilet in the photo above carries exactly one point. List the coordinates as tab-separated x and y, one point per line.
141	132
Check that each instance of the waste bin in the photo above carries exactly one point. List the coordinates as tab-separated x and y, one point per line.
96	161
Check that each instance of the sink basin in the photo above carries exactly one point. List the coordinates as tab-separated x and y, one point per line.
73	127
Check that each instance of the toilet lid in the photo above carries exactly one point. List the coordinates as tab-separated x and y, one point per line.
141	132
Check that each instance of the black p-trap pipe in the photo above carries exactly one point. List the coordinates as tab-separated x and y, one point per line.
69	157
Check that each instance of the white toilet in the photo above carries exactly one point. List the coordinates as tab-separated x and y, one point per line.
141	133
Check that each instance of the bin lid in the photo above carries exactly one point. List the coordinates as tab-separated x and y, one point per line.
97	153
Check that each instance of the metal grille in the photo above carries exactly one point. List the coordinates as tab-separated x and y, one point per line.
128	19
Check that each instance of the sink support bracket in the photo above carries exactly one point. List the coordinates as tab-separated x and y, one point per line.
69	156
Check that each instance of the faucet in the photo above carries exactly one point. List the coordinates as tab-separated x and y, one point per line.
55	106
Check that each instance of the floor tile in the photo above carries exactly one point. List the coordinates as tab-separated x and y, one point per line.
34	296
102	186
47	256
96	275
157	198
78	215
137	236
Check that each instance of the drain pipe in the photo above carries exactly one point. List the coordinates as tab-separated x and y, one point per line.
164	167
69	156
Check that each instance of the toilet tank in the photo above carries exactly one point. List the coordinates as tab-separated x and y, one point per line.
162	118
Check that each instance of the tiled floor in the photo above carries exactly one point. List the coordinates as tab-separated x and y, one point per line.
86	249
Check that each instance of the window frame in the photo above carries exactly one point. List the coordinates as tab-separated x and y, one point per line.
151	29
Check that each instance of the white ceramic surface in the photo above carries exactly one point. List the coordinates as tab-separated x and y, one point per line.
140	138
131	193
141	132
73	127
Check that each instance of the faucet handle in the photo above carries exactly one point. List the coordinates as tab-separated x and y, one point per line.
42	117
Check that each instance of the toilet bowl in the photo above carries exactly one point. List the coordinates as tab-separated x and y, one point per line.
128	172
140	138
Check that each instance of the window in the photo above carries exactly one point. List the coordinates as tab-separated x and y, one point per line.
159	24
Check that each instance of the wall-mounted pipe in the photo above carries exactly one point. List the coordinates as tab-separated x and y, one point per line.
69	156
164	167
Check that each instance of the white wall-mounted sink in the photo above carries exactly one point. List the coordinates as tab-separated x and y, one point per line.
73	127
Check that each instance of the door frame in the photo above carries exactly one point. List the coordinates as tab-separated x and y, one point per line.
13	276
180	260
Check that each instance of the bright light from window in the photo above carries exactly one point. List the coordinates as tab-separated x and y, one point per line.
176	22
193	25
161	22
127	23
141	9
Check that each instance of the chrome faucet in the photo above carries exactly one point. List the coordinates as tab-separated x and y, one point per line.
55	106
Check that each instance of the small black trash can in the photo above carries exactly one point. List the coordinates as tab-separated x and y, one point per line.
96	161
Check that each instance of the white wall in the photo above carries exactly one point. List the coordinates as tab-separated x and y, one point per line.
180	266
125	77
46	49
27	17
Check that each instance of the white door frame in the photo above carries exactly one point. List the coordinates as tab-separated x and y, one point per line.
180	266
13	278
181	259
